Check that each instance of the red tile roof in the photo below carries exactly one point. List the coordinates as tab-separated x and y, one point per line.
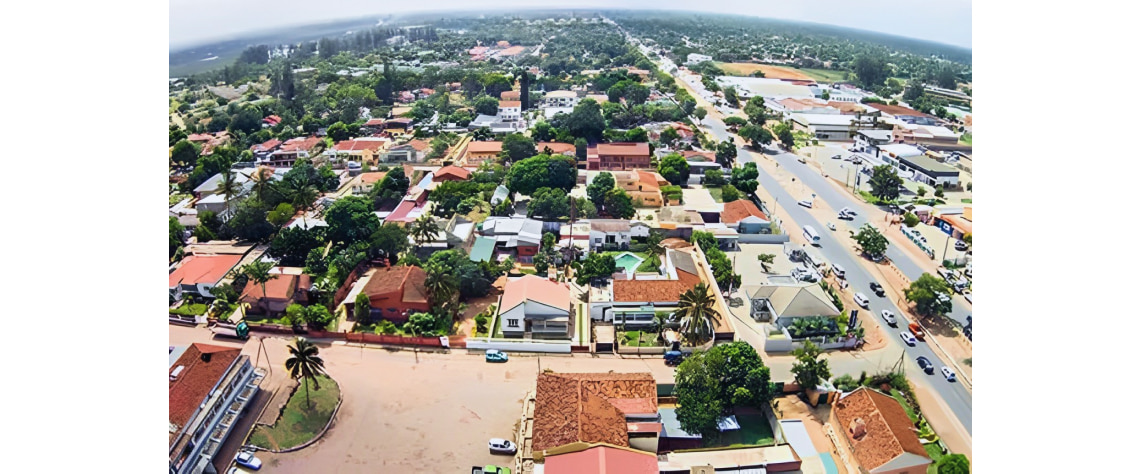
484	147
538	289
451	173
400	213
280	287
510	95
359	145
272	120
408	279
556	147
739	209
197	379
419	145
896	110
376	122
889	431
372	177
208	269
648	181
577	407
654	291
510	103
639	149
693	155
267	146
602	459
300	144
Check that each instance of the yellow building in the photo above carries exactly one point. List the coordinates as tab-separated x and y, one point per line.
644	187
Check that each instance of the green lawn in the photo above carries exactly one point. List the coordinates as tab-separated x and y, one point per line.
190	309
966	139
715	192
648	339
825	75
967	201
177	198
300	422
754	431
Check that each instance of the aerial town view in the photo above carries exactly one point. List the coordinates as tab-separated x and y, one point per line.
571	241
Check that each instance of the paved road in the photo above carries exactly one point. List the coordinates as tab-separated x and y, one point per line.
954	394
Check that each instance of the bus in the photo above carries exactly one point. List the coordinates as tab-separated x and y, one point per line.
811	235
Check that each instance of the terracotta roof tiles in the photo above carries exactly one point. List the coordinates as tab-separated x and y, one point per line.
889	431
577	407
197	379
736	210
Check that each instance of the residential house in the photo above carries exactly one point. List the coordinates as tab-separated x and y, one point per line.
509	110
898	111
643	187
610	234
360	150
535	307
610	408
556	148
777	458
561	99
620	156
292	150
636	298
451	173
373	126
518	235
210	387
482	250
262	150
398	126
364	183
413	205
596	458
743	216
394	293
925	134
783	303
478	152
288	285
198	274
510	95
878	433
867	140
892	153
415	151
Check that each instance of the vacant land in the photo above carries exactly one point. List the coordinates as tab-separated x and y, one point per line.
825	75
770	72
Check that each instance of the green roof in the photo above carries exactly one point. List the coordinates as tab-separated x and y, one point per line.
483	249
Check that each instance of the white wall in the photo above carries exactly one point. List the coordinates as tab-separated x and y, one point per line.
483	343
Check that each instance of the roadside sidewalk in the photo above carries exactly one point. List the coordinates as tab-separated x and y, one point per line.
943	421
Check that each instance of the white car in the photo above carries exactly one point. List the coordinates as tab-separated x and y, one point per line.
805	203
949	374
862	300
889	317
909	339
247	459
502	446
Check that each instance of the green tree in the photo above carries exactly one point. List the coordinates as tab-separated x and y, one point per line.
674	168
700	113
954	464
351	219
279	216
930	295
744	178
735	121
542	131
338	132
669	136
885	183
228	187
580	148
177	235
541	264
766	259
549	204
486	105
442	287
726	153
809	368
729	193
389	240
594	266
938	192
637	135
921	191
602	183
871	69
184	153
756	135
292	246
910	220
305	362
653	243
362	309
757	113
871	242
585	121
392	188
697	313
517	146
618	204
714	178
710	384
248	222
542	171
423	229
731	97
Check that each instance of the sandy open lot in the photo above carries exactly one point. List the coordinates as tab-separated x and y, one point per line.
770	72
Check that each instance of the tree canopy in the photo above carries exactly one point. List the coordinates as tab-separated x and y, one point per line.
351	219
930	295
674	168
885	183
871	242
542	171
809	368
711	384
517	146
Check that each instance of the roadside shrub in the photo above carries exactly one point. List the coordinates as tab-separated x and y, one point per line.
480	323
845	383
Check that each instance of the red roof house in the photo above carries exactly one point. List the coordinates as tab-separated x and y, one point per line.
396	292
601	458
199	273
589	407
281	291
203	365
451	173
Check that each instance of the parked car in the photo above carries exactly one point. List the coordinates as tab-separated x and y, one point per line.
674	358
908	338
836	157
247	459
889	317
830	226
925	364
490	469
495	355
960	245
805	203
502	446
862	300
878	289
949	374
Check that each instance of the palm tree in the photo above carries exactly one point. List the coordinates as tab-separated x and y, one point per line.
765	260
258	272
423	229
304	362
697	314
440	284
228	187
301	191
261	180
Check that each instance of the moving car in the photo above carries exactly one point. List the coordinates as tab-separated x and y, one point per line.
917	331
805	203
830	226
862	300
908	338
502	446
949	374
495	355
247	459
889	317
925	364
878	289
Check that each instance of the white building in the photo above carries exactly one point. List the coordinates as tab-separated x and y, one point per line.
826	126
695	58
561	99
509	110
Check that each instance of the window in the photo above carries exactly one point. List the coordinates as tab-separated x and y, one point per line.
512	323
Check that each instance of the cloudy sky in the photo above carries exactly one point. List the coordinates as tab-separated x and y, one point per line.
194	22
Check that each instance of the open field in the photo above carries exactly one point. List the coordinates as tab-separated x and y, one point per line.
771	72
825	75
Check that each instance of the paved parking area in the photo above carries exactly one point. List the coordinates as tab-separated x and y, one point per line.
697	197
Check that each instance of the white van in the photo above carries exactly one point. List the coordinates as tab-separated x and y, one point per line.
811	235
839	271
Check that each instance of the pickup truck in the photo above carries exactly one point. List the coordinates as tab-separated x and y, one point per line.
490	469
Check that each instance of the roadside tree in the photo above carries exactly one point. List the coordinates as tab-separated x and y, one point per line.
809	368
885	183
871	242
930	295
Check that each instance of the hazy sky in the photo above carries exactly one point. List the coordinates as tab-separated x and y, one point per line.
195	22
